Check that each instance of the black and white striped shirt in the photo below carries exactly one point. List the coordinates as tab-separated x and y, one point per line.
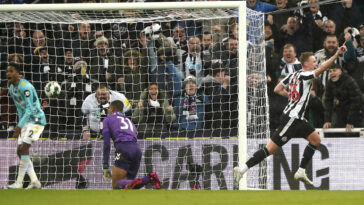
321	57
299	84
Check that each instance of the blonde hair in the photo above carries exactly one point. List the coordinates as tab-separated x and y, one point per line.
305	56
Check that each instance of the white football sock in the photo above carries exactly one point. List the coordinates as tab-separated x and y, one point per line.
244	168
23	167
31	172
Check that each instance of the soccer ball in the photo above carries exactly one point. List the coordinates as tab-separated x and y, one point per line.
52	89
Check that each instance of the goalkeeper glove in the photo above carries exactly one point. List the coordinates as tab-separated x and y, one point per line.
107	175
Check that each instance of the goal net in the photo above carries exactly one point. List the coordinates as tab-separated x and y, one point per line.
181	74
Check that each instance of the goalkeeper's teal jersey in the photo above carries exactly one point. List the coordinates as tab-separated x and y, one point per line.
27	103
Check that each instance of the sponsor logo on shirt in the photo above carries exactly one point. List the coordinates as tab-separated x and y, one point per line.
27	93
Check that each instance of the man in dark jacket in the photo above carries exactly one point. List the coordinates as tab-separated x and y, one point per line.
343	100
216	87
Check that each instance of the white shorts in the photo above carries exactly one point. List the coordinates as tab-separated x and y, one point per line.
30	133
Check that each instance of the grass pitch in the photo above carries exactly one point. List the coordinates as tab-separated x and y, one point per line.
175	197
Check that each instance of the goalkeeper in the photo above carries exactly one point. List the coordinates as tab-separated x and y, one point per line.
30	126
127	151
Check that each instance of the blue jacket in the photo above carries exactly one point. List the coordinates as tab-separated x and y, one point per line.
168	78
262	7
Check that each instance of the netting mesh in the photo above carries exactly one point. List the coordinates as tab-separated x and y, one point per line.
176	72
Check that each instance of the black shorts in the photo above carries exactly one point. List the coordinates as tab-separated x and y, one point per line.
291	127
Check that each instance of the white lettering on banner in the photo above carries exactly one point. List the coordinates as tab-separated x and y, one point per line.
337	164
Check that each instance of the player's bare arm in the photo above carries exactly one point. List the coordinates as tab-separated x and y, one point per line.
281	90
327	63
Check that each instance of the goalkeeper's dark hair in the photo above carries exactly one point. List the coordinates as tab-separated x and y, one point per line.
18	67
206	33
118	105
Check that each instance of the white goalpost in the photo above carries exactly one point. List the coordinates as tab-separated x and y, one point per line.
185	158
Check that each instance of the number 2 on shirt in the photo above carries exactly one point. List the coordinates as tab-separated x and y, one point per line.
125	125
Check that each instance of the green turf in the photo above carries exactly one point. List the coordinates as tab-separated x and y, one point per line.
151	197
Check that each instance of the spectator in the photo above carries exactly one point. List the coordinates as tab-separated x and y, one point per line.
65	69
179	38
18	41
207	42
150	40
234	30
356	70
75	88
119	38
42	70
153	113
280	19
167	76
39	40
217	27
320	32
95	107
343	101
317	14
331	44
192	27
227	52
289	62
296	33
103	63
190	107
194	61
82	41
133	77
361	30
329	27
260	6
271	58
344	14
360	50
217	88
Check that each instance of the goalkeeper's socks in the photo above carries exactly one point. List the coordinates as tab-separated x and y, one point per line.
31	172
122	183
133	184
145	180
307	155
23	167
258	156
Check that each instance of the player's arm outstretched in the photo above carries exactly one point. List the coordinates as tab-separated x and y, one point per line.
106	153
327	63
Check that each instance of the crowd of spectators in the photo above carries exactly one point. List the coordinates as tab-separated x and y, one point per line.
182	74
